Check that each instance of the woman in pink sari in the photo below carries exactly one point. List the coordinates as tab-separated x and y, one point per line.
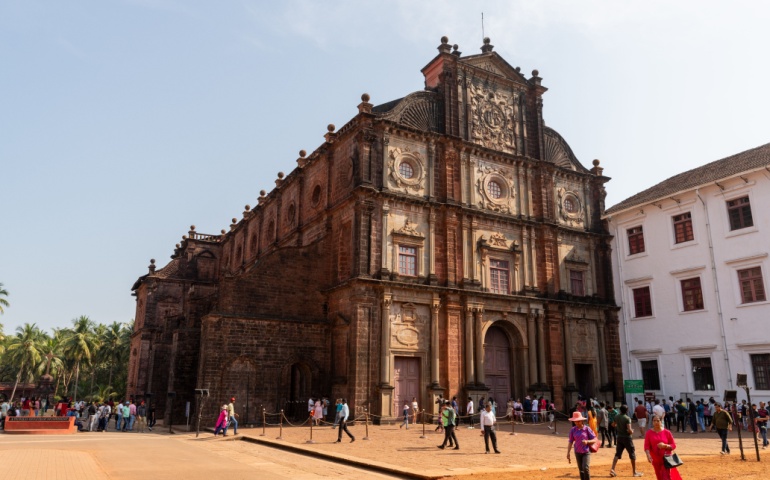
318	411
222	422
659	442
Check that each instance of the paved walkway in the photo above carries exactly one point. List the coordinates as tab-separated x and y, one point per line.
392	451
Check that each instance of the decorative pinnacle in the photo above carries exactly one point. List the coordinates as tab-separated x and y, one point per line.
331	128
302	154
222	231
192	228
535	73
365	97
262	193
247	207
596	162
444	40
280	174
235	220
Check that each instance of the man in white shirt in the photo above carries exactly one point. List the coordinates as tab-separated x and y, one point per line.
659	410
469	409
344	412
487	421
534	410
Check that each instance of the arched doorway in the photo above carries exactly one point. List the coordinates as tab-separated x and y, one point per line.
497	366
299	391
240	381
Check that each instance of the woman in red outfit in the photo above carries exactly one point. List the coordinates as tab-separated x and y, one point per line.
659	442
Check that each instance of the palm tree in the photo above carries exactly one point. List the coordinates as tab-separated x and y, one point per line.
23	350
103	393
80	344
3	301
112	347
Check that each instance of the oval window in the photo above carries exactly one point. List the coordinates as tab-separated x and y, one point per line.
316	195
494	189
406	170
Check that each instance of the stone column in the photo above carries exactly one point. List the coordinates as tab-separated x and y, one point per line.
384	249
434	341
385	340
469	364
472	250
569	367
464	190
541	348
532	348
479	347
465	252
431	169
432	246
385	152
602	352
471	176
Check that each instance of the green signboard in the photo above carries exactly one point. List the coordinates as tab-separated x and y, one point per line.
633	386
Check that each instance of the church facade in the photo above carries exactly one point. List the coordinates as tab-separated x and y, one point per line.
445	243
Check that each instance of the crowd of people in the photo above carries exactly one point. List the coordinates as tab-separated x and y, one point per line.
89	416
654	419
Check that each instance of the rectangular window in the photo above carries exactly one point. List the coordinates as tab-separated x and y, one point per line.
752	287
407	261
577	282
635	240
650	375
642	302
683	228
760	363
702	376
498	276
739	211
692	295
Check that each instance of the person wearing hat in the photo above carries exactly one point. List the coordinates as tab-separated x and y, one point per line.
232	415
580	436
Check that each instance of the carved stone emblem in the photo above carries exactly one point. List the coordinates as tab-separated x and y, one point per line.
570	206
495	188
406	169
492	118
408	336
498	240
408	229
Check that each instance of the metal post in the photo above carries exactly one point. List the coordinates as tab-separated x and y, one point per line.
366	419
263	423
751	420
311	432
280	432
739	424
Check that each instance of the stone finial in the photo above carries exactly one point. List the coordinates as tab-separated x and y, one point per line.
444	47
178	246
262	197
184	237
330	133
487	47
247	207
518	69
151	267
597	170
302	161
365	106
235	220
192	228
222	231
262	193
456	50
535	77
279	180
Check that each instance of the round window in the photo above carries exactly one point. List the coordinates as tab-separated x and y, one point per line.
406	170
494	189
570	205
316	195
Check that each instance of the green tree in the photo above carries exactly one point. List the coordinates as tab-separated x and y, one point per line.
113	344
80	344
3	301
23	351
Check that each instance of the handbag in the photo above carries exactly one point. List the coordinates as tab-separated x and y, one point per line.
672	461
593	447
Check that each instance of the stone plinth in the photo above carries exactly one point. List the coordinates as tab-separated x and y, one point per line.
41	425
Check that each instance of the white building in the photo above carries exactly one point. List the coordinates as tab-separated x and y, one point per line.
690	270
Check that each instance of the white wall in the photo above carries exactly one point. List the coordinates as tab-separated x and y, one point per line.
672	336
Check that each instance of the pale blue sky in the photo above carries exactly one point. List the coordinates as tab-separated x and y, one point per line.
123	122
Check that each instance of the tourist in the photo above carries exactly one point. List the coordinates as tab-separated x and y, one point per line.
641	417
104	415
338	409
468	410
659	409
318	412
625	440
681	416
325	403
310	406
456	408
509	409
518	410
131	415
415	408
699	408
221	422
612	432
602	422
708	412
151	417
93	418
406	416
534	407
658	442
668	409
233	417
487	422
126	408
141	417
581	437
692	414
761	420
25	407
723	423
344	413
448	419
118	416
592	421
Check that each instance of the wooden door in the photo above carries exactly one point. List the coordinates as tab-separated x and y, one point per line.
497	366
407	383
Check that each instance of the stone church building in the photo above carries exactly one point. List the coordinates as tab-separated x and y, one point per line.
445	243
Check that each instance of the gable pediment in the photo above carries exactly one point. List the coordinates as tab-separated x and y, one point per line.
492	63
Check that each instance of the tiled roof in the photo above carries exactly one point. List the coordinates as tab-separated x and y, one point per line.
711	172
169	270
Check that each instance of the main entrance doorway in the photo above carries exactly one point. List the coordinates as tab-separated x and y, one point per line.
407	380
584	378
497	366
